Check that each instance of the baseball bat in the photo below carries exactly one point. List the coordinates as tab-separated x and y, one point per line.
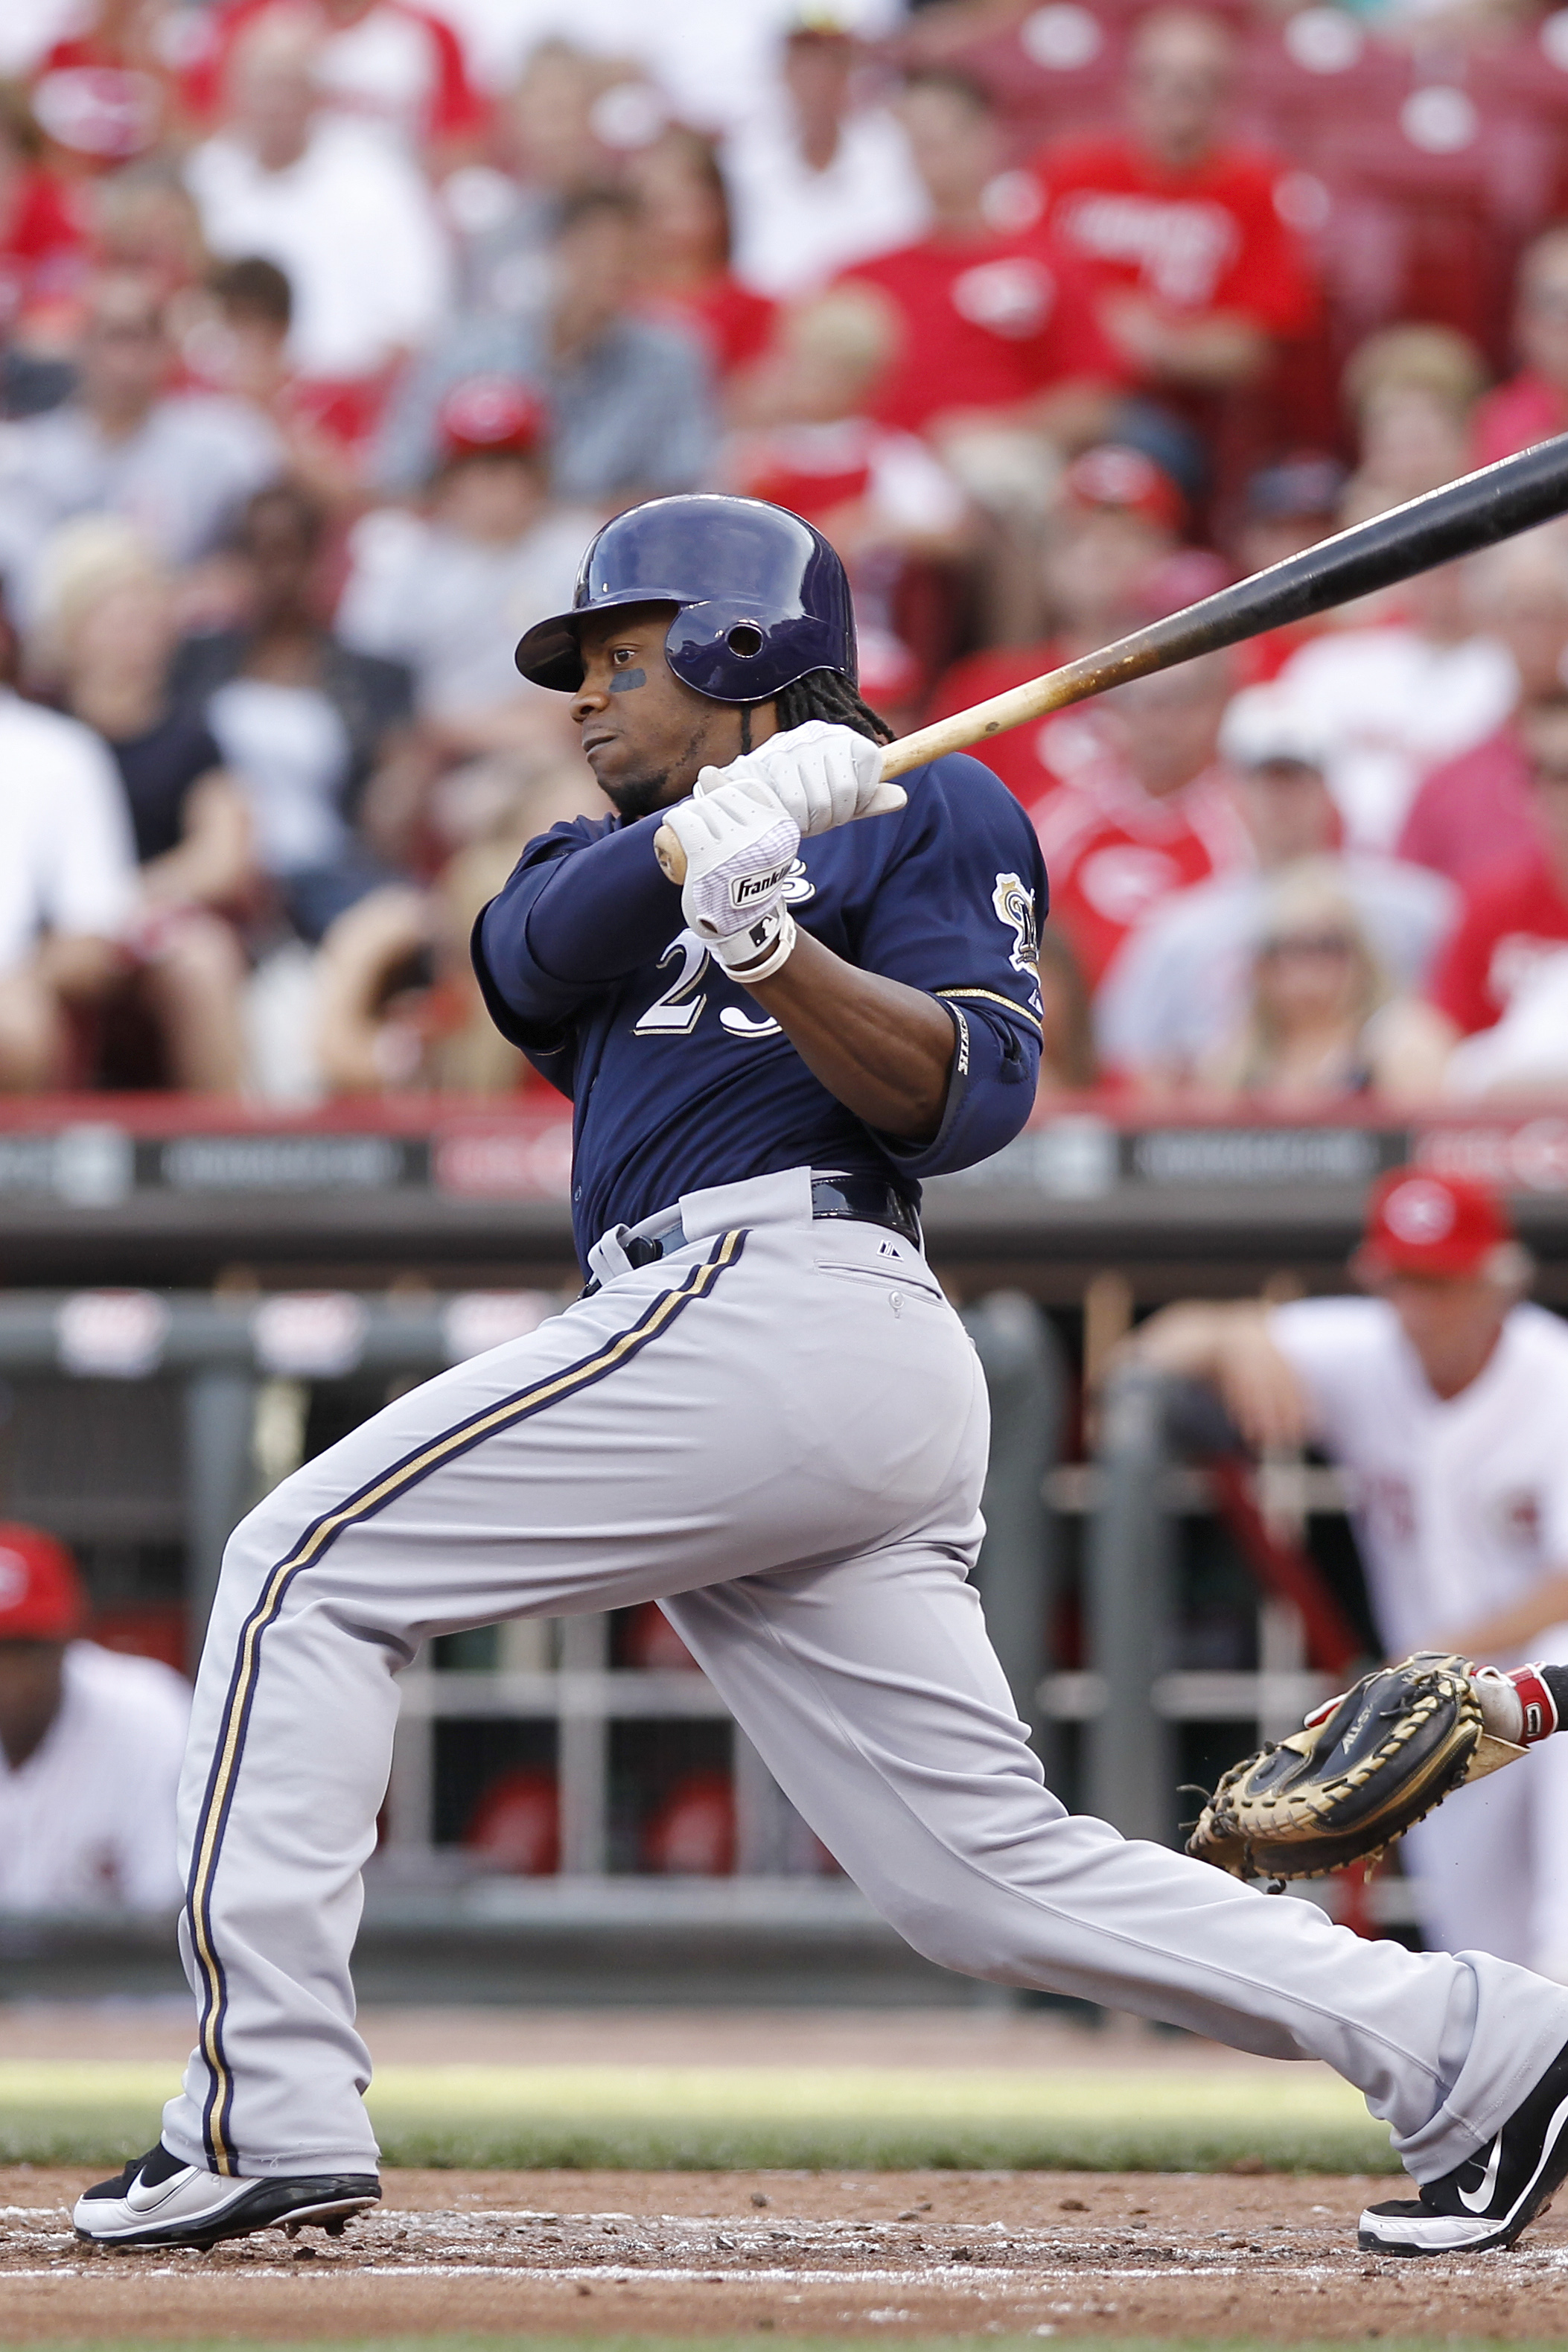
1473	512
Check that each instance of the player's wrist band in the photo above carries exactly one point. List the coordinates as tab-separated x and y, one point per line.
1539	1700
774	953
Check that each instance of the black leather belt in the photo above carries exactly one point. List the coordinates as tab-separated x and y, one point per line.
865	1199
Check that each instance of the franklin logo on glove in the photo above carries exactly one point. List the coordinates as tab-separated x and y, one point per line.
747	889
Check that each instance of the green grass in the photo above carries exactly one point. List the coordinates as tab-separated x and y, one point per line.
696	2118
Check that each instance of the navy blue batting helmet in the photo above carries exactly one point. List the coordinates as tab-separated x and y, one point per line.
762	597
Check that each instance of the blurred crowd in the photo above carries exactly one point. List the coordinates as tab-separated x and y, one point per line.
331	331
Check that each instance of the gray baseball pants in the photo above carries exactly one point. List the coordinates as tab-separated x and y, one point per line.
779	1431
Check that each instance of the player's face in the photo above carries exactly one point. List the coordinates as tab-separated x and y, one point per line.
30	1691
645	734
1452	1322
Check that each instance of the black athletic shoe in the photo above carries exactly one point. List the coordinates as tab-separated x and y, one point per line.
1495	2194
162	2200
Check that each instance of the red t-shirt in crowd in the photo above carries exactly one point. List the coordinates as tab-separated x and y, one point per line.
1515	415
1212	240
1507	925
1031	761
1114	853
1472	818
731	323
43	248
402	65
988	323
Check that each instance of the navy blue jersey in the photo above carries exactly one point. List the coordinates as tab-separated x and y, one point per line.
679	1078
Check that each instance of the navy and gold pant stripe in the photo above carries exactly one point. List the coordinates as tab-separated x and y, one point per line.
386	1488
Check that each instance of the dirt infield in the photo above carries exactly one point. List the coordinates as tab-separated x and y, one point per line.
709	2253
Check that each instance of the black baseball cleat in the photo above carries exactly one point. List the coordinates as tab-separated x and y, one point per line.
1495	2194
160	2201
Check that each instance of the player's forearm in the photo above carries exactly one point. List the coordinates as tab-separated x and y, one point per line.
1190	1340
1232	1348
883	1050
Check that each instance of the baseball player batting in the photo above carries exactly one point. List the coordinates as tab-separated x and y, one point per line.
763	1414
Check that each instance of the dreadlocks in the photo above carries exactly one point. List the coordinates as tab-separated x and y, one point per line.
821	694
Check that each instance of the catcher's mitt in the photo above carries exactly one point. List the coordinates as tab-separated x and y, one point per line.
1360	1772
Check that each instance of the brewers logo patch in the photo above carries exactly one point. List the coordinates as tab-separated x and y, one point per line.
1014	905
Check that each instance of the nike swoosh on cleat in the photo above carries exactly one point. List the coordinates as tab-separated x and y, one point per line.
1475	2200
142	2199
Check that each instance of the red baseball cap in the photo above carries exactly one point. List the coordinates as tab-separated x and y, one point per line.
486	415
41	1594
1418	1223
1114	475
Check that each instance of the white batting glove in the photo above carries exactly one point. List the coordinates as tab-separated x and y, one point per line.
1517	1704
740	844
823	774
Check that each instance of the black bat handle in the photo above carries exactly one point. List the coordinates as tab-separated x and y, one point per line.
1475	511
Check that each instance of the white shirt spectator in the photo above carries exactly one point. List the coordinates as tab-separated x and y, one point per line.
386	72
500	35
712	60
87	1821
716	60
452	608
1178	985
68	862
795	227
1391	704
354	229
290	751
28	31
179	478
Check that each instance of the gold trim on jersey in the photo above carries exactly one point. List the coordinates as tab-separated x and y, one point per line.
994	996
322	1532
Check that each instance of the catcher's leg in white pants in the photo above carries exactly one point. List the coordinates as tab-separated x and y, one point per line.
1471	1865
784	1438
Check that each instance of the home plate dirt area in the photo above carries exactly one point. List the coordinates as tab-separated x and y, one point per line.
907	2254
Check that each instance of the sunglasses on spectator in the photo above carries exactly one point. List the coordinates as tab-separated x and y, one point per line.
1310	943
